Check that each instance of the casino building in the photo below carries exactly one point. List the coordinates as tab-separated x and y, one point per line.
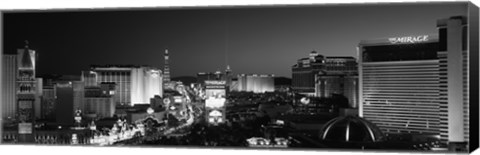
134	84
215	100
307	73
257	83
418	84
339	77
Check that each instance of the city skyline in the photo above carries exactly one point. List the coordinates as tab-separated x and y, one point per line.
367	77
209	39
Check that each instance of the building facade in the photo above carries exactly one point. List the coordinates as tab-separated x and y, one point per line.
101	106
78	95
38	97
26	93
48	103
453	54
99	101
418	84
9	97
205	76
339	77
64	106
255	83
346	85
305	72
134	84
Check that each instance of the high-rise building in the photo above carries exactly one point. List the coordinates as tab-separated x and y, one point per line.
166	68
328	85
26	93
38	97
453	54
78	95
64	107
339	77
303	73
9	94
101	106
89	78
418	84
99	101
255	83
306	69
48	103
133	84
206	76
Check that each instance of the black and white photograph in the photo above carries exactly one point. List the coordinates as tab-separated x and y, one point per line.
395	77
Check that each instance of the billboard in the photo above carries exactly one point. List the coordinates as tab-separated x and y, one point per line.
25	128
215	117
213	102
215	89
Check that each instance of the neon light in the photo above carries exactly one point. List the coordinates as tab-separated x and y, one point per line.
409	39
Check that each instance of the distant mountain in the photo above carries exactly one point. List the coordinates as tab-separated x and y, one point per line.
278	81
186	80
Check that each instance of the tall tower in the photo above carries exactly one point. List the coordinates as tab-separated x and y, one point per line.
228	78
26	93
166	69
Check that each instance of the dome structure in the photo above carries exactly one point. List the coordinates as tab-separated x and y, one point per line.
351	129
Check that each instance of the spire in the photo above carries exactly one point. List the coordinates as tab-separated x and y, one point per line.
26	61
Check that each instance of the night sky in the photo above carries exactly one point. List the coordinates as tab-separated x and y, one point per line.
264	40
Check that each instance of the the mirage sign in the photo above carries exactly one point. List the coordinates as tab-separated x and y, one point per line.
409	39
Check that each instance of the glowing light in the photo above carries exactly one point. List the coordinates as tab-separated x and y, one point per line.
215	82
212	102
150	111
215	113
166	101
409	39
178	99
305	100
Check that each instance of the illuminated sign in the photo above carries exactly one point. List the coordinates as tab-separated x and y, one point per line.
215	113
409	39
263	142
24	128
215	87
215	82
166	101
212	102
177	99
305	100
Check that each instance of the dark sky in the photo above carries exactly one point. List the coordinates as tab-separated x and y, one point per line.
265	40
